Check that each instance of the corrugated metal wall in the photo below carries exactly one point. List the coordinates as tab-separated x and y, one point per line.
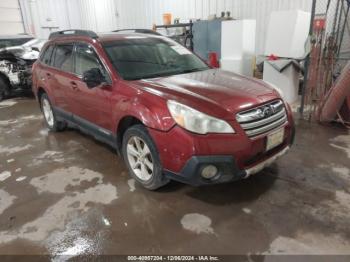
106	15
100	16
143	13
44	16
10	18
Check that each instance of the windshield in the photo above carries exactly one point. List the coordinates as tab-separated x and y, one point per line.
148	57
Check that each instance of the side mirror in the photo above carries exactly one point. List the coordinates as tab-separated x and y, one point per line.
93	77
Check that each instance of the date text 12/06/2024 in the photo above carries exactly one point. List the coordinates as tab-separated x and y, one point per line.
173	258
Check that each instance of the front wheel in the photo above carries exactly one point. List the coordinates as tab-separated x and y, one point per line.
50	118
142	158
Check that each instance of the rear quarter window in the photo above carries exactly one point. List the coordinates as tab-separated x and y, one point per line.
46	55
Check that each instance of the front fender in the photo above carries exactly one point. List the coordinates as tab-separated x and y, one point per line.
152	111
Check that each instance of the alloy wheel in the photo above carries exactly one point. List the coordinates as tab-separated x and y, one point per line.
140	158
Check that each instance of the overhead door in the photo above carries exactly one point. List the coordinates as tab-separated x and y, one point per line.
10	18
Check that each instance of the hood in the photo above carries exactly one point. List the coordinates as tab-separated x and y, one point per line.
35	44
21	52
216	92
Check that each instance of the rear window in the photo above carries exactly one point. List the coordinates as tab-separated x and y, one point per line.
63	58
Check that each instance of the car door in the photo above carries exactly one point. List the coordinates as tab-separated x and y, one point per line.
60	76
91	106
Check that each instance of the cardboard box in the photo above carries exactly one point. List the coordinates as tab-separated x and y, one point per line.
286	80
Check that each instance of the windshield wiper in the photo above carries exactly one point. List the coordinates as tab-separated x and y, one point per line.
193	70
135	61
155	75
158	75
145	62
169	73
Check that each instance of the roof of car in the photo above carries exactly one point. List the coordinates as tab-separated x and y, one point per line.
106	37
78	34
15	36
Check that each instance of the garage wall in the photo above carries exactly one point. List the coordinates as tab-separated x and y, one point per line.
44	16
107	15
10	18
143	13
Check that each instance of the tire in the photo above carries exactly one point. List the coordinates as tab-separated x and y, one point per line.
2	95
49	115
4	88
142	159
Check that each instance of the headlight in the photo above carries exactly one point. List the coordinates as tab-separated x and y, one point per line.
195	121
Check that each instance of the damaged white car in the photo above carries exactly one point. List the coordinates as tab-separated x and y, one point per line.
16	64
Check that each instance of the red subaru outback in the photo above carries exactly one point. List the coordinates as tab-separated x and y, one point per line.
168	113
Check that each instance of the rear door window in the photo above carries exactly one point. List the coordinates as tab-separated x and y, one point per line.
63	57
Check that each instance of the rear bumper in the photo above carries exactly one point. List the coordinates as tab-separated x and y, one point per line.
228	169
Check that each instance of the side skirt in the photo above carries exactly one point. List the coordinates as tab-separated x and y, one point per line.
101	134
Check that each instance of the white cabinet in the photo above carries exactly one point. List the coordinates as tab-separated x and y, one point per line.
238	46
238	38
287	33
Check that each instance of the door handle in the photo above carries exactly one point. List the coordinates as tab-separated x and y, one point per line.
74	85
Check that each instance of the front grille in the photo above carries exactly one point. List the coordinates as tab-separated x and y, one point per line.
262	119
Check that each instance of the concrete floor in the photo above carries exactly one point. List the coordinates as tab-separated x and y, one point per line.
64	193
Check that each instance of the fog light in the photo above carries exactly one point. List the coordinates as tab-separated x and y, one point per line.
209	172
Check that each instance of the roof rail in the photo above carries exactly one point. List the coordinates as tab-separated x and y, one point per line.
73	32
141	31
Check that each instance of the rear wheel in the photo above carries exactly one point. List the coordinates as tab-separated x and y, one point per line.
50	118
142	158
4	88
2	95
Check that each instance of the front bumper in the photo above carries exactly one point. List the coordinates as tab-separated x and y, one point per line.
184	154
257	168
228	169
